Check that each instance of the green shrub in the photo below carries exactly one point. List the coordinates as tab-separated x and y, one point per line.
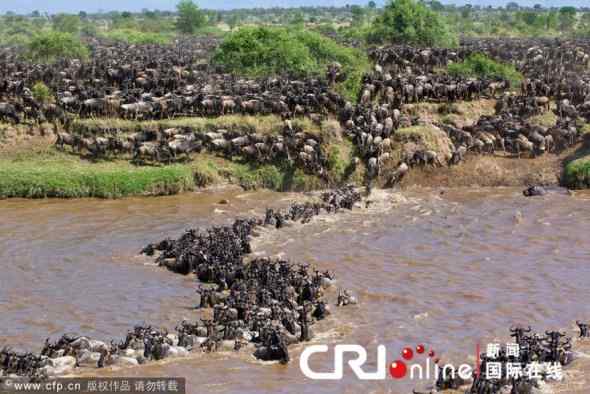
411	22
481	66
49	46
42	93
577	173
262	50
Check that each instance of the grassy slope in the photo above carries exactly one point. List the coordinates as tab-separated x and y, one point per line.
48	173
30	167
576	174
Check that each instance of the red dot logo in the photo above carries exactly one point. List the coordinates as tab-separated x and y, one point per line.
398	369
431	353
420	349
407	353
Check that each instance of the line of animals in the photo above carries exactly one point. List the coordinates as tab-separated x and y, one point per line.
532	56
261	306
554	348
173	144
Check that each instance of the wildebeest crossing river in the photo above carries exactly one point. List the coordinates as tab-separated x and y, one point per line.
448	270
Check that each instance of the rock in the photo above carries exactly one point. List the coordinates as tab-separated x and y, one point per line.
223	202
534	191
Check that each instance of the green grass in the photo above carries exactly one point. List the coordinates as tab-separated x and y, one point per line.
57	175
577	173
480	66
48	173
547	119
276	176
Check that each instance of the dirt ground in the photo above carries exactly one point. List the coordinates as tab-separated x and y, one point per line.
491	170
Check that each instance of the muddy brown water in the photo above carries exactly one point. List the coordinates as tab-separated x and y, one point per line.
445	270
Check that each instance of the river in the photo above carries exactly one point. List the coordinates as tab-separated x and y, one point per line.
447	269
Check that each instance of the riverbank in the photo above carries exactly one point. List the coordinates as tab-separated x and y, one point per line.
577	169
31	166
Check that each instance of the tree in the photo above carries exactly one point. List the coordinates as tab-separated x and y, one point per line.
413	23
567	18
358	15
436	5
190	17
512	6
66	23
372	5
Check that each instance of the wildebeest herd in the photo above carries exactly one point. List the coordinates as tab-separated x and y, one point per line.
537	359
292	143
155	82
261	305
266	304
555	71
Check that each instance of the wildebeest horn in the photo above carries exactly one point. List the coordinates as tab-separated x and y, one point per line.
529	329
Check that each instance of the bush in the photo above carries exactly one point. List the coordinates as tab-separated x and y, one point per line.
480	66
411	22
257	51
577	173
50	46
41	93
